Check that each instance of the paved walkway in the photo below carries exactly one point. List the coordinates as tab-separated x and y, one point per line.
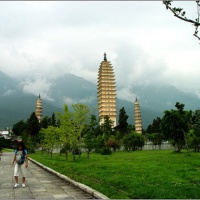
40	183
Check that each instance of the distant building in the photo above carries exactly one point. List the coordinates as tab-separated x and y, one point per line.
106	91
137	117
38	110
4	134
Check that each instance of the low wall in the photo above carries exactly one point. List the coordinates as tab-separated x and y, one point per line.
150	146
147	146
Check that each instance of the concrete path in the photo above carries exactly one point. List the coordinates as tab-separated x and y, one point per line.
40	184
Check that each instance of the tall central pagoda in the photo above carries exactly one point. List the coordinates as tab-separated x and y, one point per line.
106	91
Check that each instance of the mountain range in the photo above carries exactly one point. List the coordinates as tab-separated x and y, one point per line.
15	104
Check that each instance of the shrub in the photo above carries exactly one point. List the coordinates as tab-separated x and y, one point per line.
106	151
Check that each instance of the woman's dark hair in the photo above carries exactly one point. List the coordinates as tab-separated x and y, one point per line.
20	144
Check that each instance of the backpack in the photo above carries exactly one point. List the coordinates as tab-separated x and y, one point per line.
20	158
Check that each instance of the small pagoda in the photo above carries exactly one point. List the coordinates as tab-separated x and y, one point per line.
137	117
38	110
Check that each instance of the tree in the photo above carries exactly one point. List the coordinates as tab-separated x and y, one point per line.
133	141
131	128
19	127
106	128
33	128
53	120
89	135
107	131
175	125
4	143
94	124
113	143
48	121
50	138
81	116
196	122
154	132
181	14
122	122
89	141
155	126
194	136
45	122
71	126
155	138
66	130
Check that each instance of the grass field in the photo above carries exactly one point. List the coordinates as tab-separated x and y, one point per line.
152	174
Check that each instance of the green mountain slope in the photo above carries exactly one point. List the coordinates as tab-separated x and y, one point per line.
69	89
19	107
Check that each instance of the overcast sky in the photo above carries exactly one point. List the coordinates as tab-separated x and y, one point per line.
144	42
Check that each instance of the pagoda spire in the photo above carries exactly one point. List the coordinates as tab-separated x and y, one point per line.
105	59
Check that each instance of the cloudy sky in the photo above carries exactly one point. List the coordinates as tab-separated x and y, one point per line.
145	43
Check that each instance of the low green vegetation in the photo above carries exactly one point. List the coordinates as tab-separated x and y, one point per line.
159	174
7	150
78	129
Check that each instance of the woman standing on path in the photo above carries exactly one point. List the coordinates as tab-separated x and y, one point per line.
21	163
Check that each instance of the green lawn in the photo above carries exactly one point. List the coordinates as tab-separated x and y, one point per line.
152	174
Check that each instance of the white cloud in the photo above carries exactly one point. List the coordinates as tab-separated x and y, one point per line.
36	87
70	101
126	94
145	43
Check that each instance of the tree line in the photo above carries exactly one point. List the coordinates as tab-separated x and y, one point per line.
77	130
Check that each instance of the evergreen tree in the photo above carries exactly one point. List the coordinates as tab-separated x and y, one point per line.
19	127
122	122
33	126
155	126
45	122
106	128
53	120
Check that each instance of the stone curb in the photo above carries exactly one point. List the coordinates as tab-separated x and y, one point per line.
85	188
